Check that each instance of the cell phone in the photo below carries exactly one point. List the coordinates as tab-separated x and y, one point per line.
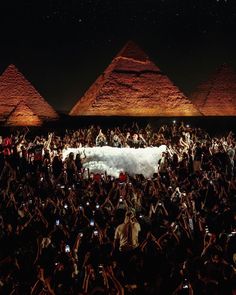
91	222
87	203
30	201
62	186
172	224
185	284
97	206
67	248
69	188
65	206
95	232
81	207
140	216
231	234
191	224
121	199
100	268
81	235
57	222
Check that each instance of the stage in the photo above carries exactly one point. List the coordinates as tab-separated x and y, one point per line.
115	160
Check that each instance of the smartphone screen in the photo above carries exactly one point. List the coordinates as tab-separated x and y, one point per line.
67	249
100	268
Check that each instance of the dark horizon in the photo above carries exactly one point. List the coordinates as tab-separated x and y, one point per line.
63	46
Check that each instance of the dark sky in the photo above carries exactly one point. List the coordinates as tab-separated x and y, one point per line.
63	45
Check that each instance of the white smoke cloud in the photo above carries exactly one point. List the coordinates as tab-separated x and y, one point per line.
114	160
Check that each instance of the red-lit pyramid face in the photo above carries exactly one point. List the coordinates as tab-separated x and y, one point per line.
132	85
14	88
217	96
22	115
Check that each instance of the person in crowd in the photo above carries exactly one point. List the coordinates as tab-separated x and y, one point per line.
101	139
65	230
126	234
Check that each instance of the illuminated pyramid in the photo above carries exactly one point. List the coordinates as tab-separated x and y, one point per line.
132	85
22	115
217	96
14	88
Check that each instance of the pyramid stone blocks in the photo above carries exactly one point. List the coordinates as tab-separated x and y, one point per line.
132	85
14	88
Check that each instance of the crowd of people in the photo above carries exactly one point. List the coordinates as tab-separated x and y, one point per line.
66	230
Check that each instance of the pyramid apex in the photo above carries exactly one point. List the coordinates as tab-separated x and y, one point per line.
21	103
23	115
11	67
132	50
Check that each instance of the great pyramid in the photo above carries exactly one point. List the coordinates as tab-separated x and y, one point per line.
132	85
22	115
14	88
217	96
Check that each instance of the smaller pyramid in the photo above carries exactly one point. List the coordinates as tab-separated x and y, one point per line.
22	115
14	88
217	96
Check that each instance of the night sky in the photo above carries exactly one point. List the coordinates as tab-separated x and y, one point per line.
62	46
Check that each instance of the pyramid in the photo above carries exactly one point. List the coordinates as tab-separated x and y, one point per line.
132	85
22	115
14	88
217	96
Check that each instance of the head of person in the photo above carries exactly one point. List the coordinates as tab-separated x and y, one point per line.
129	217
71	156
